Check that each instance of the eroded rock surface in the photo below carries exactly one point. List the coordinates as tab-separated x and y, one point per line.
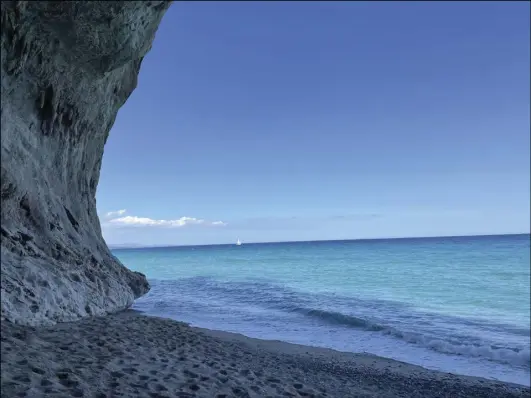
67	67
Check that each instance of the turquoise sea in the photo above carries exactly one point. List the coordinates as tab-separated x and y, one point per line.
458	304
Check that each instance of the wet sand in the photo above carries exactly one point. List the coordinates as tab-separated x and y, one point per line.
132	355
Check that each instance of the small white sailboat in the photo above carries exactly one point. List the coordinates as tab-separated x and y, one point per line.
238	243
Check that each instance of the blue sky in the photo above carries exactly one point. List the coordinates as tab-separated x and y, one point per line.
324	120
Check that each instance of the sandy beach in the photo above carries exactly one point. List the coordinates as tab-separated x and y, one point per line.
132	355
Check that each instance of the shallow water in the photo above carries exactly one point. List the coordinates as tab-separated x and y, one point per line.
458	304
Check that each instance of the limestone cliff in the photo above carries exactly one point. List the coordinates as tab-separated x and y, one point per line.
67	67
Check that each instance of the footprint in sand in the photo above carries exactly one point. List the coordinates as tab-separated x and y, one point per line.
22	379
191	374
46	383
117	374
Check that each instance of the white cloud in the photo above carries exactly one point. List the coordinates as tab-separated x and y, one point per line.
115	213
135	221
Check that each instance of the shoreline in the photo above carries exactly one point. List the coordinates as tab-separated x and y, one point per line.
345	357
130	354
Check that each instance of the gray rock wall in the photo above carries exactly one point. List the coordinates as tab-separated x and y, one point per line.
67	67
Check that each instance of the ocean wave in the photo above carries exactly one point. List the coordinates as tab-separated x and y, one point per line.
338	318
498	353
436	332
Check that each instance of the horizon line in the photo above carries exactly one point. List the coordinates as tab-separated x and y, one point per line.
142	246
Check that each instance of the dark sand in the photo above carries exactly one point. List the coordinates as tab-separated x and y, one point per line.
132	355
